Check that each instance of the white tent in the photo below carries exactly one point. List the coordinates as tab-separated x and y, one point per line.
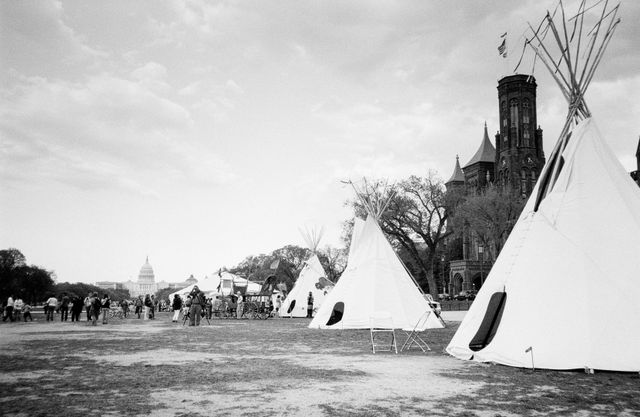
563	294
207	285
312	279
374	281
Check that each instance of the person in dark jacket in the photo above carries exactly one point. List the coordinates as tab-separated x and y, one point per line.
177	306
197	302
76	308
310	305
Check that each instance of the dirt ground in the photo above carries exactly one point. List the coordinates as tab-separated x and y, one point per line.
272	368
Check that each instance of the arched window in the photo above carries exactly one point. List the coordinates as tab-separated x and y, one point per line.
526	111
523	181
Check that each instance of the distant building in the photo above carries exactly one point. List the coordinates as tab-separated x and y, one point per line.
517	159
146	283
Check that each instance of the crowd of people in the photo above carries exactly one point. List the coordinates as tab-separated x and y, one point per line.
194	307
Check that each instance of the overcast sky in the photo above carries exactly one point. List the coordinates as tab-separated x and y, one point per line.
198	133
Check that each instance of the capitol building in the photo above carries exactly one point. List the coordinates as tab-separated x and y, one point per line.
146	283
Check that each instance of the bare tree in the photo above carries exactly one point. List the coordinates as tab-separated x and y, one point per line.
490	214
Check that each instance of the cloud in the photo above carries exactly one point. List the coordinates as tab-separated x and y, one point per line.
107	131
35	32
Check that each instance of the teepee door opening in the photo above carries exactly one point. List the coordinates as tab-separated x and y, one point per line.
490	322
336	314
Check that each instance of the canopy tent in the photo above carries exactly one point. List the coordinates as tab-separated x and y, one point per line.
563	292
207	285
374	281
222	283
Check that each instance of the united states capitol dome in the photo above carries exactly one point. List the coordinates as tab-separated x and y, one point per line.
146	275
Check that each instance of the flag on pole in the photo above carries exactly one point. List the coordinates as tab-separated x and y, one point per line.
502	49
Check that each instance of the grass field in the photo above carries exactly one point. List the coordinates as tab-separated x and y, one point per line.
274	367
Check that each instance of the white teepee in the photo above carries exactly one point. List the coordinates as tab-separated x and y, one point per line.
312	278
375	281
563	292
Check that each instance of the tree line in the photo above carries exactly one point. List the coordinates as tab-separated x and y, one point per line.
34	284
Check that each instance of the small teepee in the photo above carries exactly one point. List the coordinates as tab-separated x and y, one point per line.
375	281
563	294
312	279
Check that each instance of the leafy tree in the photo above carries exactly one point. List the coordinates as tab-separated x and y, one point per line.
414	219
30	283
81	289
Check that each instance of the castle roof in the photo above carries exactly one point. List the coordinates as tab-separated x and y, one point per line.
486	152
458	175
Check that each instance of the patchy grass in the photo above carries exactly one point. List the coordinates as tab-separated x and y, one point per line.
272	368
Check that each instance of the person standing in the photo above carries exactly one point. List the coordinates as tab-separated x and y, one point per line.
52	304
239	305
154	306
17	309
64	307
310	305
95	308
277	306
87	306
76	308
197	301
147	306
125	308
105	305
138	305
8	310
209	308
177	306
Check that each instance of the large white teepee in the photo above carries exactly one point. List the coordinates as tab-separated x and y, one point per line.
374	281
312	278
563	294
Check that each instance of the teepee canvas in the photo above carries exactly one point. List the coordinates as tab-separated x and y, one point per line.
312	279
563	292
374	282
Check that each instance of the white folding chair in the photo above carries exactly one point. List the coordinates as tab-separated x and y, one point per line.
413	335
381	324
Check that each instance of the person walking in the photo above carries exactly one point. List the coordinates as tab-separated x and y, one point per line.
64	307
177	306
52	304
105	305
310	305
197	301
